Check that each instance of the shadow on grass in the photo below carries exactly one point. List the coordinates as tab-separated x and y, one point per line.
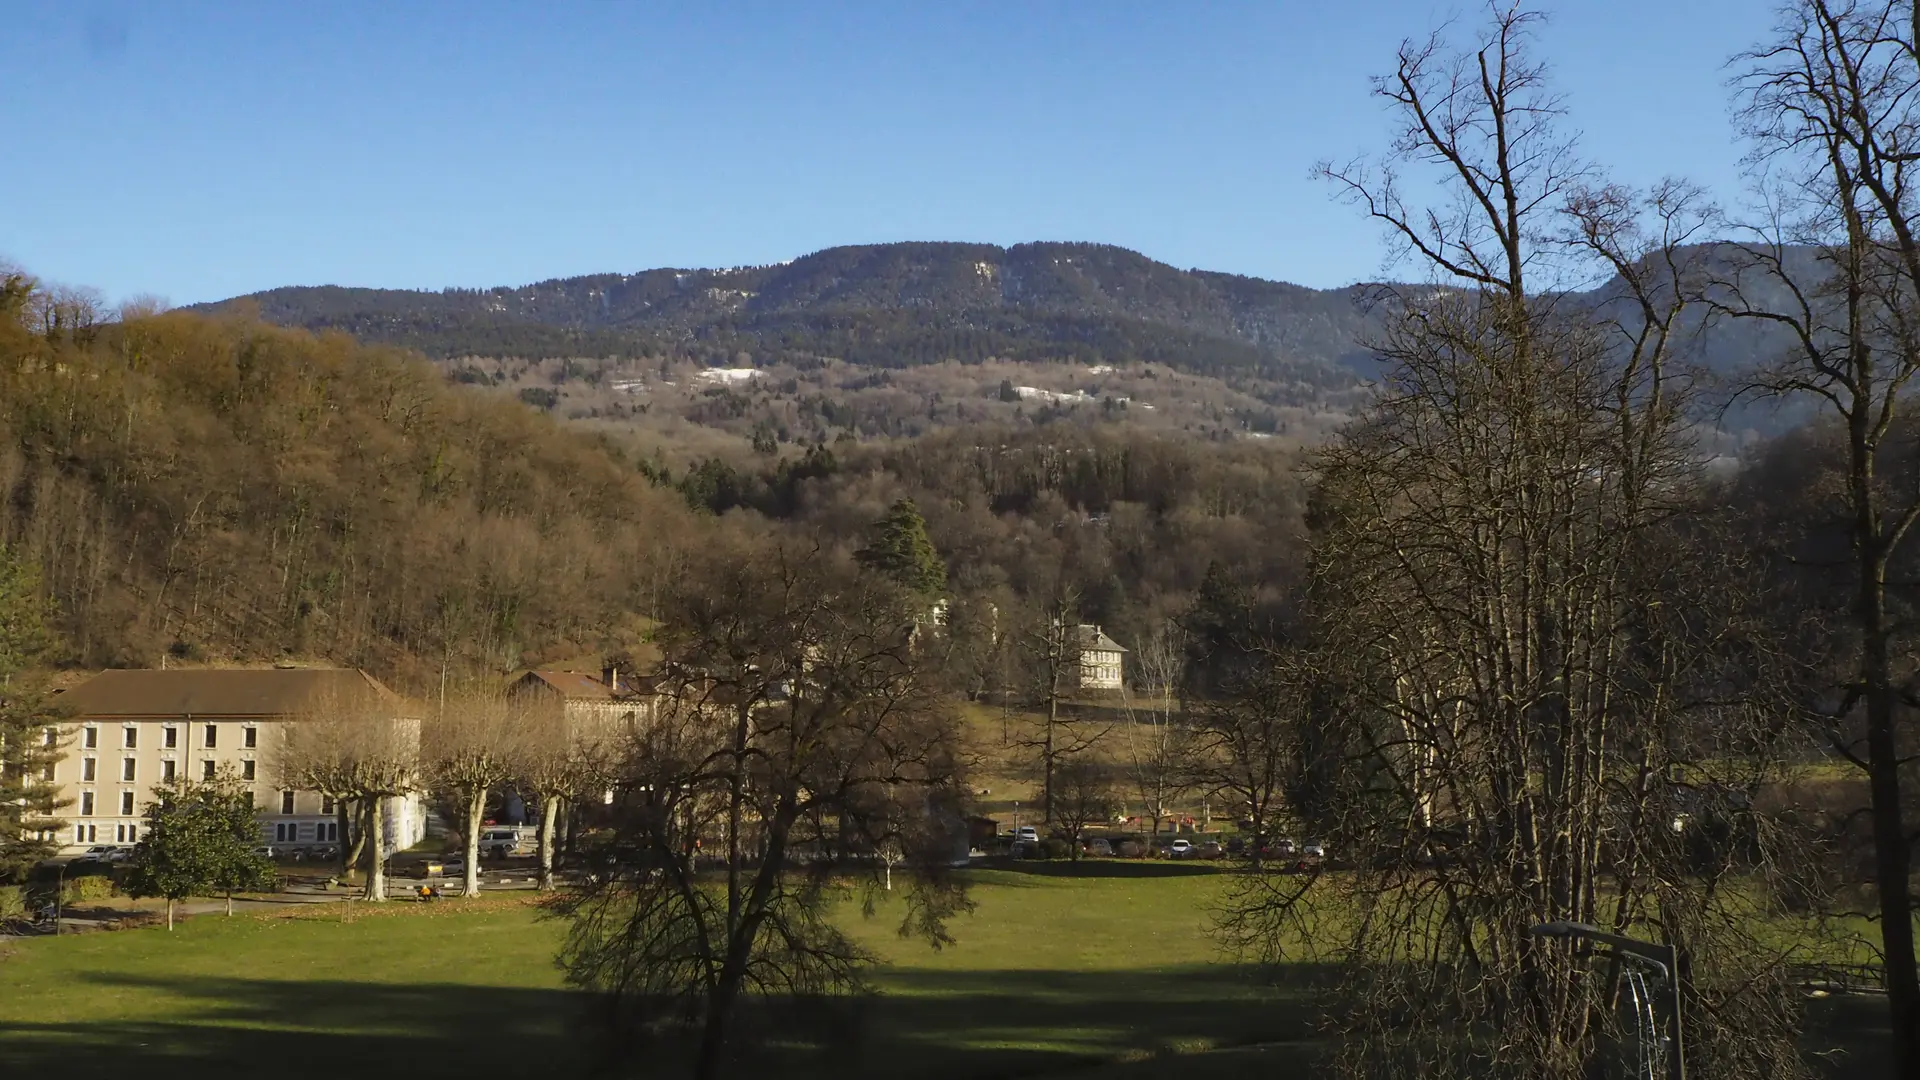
929	1025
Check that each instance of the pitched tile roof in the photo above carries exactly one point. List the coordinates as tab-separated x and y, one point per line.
263	692
1095	639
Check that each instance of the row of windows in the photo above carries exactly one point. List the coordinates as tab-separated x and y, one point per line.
169	737
89	770
126	803
122	834
323	832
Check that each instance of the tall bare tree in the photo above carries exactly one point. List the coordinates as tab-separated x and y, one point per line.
798	725
1085	796
1049	645
360	749
563	760
1160	743
1831	104
1514	613
471	745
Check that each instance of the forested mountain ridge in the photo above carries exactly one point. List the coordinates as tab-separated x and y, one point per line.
912	304
888	305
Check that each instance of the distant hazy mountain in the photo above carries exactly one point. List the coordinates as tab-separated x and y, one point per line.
900	305
887	305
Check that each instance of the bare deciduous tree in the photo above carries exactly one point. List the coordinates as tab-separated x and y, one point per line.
562	760
1085	795
1532	660
469	748
797	725
361	750
1160	743
1050	646
1831	103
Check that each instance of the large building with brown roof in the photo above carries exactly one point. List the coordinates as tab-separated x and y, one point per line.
127	730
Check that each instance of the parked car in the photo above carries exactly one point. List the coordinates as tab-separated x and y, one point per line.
96	853
500	843
1210	849
1236	845
1314	850
1180	849
1099	846
119	855
1026	834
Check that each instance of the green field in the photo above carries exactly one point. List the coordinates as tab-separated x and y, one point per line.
1107	976
1103	971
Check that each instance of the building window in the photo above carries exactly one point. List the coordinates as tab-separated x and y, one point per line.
88	768
170	737
46	773
326	804
206	769
213	737
86	804
83	834
53	736
127	834
246	770
286	802
126	804
126	770
327	832
250	737
166	770
90	738
130	738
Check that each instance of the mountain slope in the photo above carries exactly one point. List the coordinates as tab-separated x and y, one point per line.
889	305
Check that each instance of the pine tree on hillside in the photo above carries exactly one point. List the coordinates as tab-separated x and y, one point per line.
901	550
27	751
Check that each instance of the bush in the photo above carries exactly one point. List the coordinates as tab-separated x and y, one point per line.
1054	848
13	903
86	889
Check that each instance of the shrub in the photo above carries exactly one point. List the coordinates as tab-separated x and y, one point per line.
13	903
86	889
1054	848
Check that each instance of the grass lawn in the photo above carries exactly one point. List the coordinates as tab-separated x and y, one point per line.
1110	976
1103	971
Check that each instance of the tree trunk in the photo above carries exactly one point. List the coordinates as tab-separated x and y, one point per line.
343	823
351	852
1046	790
713	1036
1892	865
229	903
476	805
549	817
376	843
169	913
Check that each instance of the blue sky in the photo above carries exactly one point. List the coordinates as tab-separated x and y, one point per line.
202	150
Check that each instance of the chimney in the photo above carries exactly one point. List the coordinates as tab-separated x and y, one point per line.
611	676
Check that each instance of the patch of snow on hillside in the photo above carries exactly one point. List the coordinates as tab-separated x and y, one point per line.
729	374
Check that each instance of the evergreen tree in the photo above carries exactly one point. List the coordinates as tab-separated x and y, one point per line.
200	838
901	550
28	750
